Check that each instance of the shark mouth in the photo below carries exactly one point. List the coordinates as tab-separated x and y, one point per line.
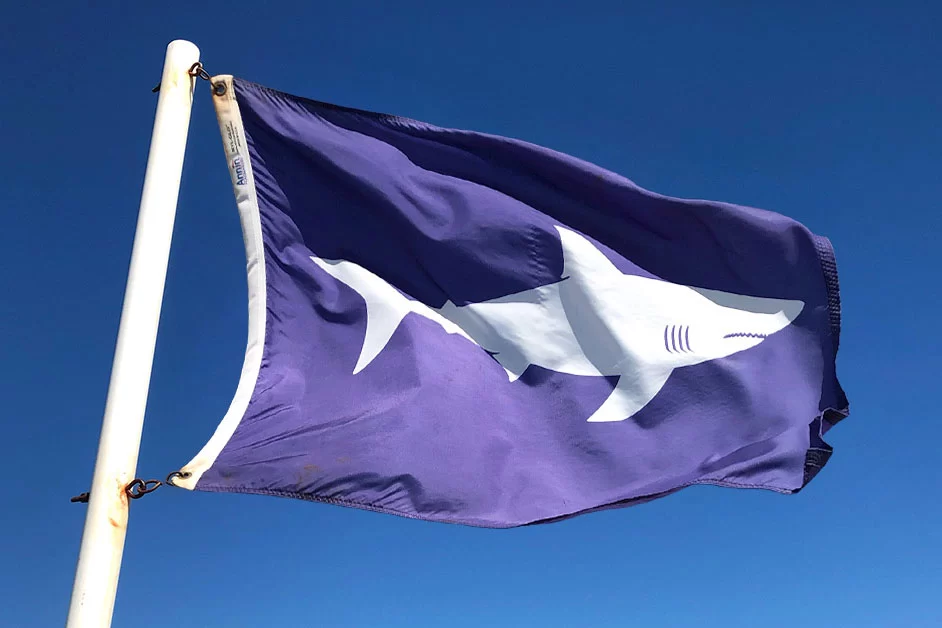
744	334
677	339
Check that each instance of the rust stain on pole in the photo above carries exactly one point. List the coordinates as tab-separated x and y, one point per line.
118	509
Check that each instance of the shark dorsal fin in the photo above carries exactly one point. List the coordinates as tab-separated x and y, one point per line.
581	257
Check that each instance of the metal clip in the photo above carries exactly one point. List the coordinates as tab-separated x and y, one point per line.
196	71
135	489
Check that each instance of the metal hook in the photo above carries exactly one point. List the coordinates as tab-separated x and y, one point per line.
177	474
196	71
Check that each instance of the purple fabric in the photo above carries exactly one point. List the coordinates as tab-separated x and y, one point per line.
432	428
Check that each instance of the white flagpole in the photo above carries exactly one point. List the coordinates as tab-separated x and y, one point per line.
96	576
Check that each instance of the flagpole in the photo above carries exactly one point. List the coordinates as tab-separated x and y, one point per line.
99	561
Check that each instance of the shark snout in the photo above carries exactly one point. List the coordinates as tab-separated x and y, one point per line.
745	329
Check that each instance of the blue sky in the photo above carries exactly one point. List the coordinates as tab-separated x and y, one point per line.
828	115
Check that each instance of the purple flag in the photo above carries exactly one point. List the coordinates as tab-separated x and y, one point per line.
471	329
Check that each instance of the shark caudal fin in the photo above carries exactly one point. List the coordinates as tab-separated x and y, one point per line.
385	306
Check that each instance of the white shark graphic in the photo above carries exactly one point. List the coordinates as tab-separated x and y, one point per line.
594	321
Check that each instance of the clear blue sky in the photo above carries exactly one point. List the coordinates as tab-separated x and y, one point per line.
828	114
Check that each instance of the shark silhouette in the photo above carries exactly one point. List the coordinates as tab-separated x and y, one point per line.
594	321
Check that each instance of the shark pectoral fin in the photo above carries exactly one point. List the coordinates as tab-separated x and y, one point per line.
630	395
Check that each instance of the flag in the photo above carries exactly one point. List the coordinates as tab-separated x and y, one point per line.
467	328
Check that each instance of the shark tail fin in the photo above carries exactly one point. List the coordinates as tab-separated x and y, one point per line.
385	306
